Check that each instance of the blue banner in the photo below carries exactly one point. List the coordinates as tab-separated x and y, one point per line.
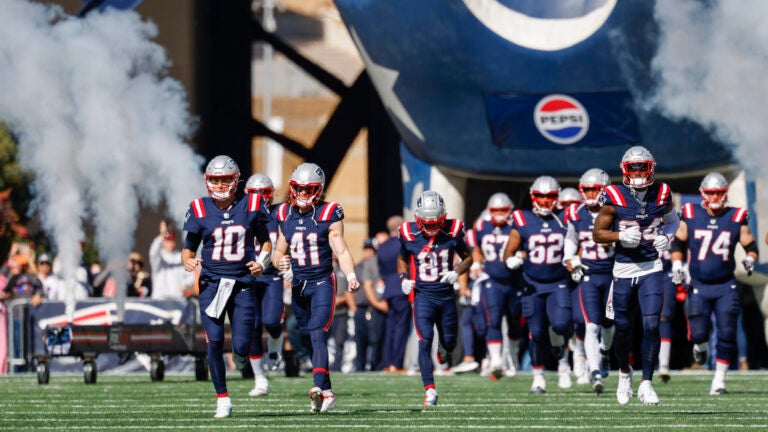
556	120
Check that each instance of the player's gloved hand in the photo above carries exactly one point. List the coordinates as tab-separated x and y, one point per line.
515	261
578	269
630	237
352	283
678	273
449	277
407	285
661	243
749	265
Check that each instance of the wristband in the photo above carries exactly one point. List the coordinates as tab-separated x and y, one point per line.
351	276
403	276
265	259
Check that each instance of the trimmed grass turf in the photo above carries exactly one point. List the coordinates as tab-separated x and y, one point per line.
377	402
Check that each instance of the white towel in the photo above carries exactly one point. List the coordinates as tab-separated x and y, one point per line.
609	304
219	301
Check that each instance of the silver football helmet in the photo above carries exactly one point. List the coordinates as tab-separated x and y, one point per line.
638	167
545	192
260	184
499	208
714	191
306	185
430	213
568	196
221	177
591	184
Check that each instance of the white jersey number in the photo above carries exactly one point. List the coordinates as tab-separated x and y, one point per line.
229	243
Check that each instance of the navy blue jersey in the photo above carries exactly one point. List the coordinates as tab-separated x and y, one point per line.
227	235
598	257
307	237
491	240
711	241
431	257
271	271
647	215
543	240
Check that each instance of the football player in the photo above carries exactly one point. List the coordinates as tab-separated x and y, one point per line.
568	197
500	293
536	244
590	264
269	298
311	232
639	218
226	224
426	264
710	233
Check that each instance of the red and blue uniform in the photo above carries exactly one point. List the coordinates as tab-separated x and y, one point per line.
313	287
638	271
434	302
711	242
546	297
500	294
268	295
227	237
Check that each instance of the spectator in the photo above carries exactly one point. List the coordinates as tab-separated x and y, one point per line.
169	279
139	280
371	310
22	283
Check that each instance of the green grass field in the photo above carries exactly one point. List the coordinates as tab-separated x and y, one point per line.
377	402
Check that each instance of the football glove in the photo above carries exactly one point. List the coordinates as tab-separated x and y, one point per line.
749	265
630	237
407	285
449	277
678	273
578	269
515	261
661	243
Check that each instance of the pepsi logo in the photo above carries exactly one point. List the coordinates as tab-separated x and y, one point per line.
561	119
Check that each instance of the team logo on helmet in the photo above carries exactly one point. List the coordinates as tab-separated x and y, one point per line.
561	119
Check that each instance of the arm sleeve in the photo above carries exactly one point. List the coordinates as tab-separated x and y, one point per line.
571	243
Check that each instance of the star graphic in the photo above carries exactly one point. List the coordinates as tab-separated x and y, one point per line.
384	80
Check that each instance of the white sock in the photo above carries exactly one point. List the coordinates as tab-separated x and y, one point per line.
494	352
606	335
721	368
257	364
562	365
664	353
578	352
592	347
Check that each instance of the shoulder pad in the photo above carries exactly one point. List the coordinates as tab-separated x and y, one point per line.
198	208
519	218
665	195
612	195
254	202
405	232
455	227
740	215
330	212
282	212
688	211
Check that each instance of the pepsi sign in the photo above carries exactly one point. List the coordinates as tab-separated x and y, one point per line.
561	119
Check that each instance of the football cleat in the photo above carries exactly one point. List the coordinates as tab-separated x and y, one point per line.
466	366
564	377
624	389
430	399
261	387
597	383
223	408
315	399
646	394
718	386
496	372
539	385
664	375
329	401
511	371
700	354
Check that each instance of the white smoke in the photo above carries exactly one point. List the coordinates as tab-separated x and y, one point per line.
99	124
710	64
